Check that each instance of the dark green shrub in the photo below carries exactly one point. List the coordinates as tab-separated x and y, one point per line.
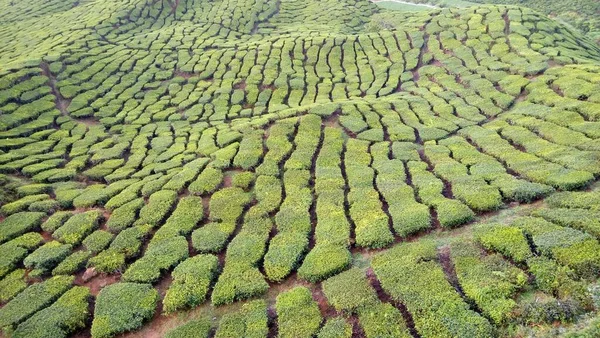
13	252
46	257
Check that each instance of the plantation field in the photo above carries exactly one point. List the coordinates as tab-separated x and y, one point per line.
583	15
314	168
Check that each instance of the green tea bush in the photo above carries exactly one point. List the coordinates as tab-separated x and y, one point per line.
22	204
207	182
125	215
250	321
12	284
77	227
123	307
323	261
159	205
507	240
490	281
97	241
197	328
46	257
250	152
574	199
335	328
383	320
191	281
581	219
188	213
18	224
298	314
350	291
410	274
67	315
238	282
285	251
13	252
32	299
159	256
72	263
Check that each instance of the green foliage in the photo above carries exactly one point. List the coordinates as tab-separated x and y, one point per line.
383	320
409	273
78	226
197	328
250	321
335	328
68	314
18	224
298	314
490	281
350	291
324	261
158	206
507	240
47	256
123	307
72	263
158	257
56	220
12	284
33	299
97	241
191	281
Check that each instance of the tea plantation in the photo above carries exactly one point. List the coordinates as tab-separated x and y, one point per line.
296	168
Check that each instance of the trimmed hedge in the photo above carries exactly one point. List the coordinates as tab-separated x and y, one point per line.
18	224
350	291
159	256
33	299
335	328
409	273
12	284
67	315
383	320
123	307
78	227
250	321
191	281
46	257
197	328
298	314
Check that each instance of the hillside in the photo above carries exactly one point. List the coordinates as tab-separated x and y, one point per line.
254	168
583	15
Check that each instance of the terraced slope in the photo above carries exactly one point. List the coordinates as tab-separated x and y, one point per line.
326	167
